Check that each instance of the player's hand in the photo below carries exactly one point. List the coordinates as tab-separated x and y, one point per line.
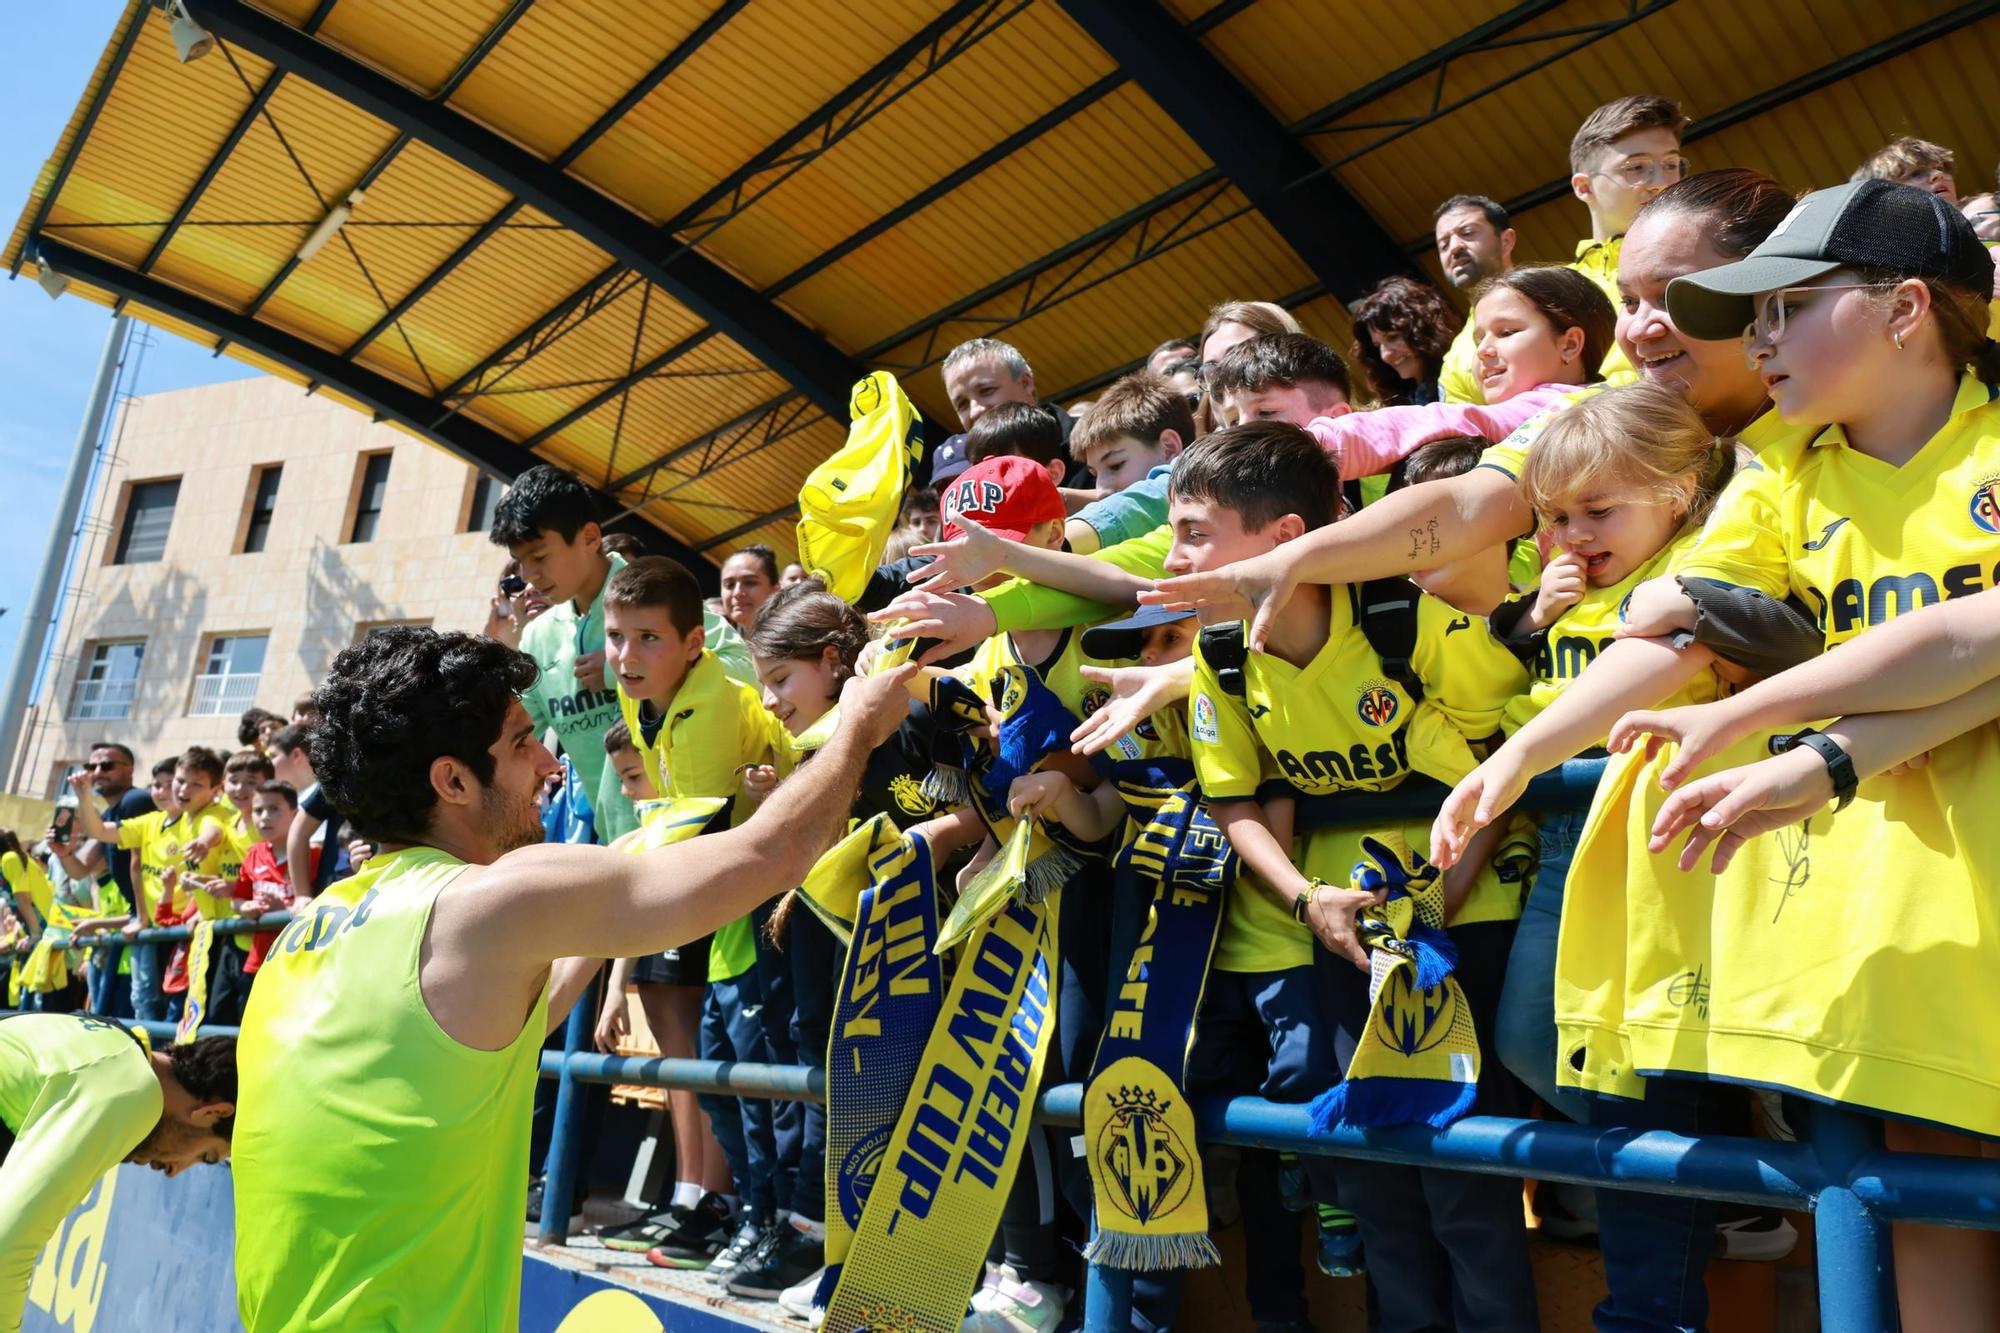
1727	809
612	1026
1136	694
759	781
963	562
1564	581
874	706
1035	794
1656	607
1256	589
1700	731
1331	915
1483	796
589	669
958	622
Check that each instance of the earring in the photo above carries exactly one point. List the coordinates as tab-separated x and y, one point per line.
1897	339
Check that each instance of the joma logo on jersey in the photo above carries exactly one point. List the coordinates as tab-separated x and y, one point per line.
1377	705
1986	505
1357	763
1853	604
323	924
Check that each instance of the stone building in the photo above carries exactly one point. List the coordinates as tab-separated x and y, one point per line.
239	536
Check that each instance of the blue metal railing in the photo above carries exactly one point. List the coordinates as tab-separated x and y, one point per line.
1839	1173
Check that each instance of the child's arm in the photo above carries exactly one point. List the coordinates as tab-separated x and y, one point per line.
1623	674
1331	910
1459	880
1419	527
1729	808
978	555
1050	793
298	858
1912	662
949	833
612	1023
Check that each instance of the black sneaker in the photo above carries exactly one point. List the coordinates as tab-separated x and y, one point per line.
535	1202
749	1235
788	1260
702	1230
642	1233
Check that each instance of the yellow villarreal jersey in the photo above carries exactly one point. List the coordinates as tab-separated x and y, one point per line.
1587	629
715	725
1816	961
1508	455
1458	376
156	839
1598	261
1062	672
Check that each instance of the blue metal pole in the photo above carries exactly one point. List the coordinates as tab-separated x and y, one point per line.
1107	1300
1856	1284
565	1136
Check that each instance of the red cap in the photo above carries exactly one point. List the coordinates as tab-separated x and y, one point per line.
1005	495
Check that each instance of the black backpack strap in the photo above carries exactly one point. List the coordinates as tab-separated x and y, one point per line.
1226	648
1386	611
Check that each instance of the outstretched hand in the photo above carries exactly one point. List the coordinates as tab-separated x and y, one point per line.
1256	589
963	562
957	621
1727	809
1136	694
1698	731
1481	797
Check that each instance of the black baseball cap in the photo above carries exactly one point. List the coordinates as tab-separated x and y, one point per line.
1865	224
1124	638
949	459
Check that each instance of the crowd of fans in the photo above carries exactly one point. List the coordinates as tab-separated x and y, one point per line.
1617	483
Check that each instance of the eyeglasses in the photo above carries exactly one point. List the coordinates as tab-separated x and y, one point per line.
1769	309
1634	172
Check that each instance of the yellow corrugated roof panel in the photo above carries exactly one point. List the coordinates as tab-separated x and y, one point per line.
1106	233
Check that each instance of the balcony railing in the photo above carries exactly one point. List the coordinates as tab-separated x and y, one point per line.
223	693
100	700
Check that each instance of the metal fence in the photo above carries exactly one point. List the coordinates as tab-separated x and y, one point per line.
1838	1172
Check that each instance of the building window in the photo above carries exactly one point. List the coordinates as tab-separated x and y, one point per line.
369	496
263	506
104	685
149	512
228	682
486	494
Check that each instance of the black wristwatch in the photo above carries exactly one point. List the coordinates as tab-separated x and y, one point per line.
1839	764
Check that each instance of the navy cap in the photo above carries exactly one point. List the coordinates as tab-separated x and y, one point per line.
949	459
1124	638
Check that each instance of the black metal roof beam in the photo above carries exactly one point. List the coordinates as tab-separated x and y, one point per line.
597	129
485	449
778	154
622	384
126	40
816	366
1812	81
1340	242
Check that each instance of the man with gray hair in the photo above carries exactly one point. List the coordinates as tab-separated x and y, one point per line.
982	373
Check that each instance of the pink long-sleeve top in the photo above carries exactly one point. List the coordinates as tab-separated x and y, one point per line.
1365	443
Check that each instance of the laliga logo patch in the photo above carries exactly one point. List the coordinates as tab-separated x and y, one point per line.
909	796
1203	726
1412	1021
1986	505
1378	704
973	497
1143	1156
857	1175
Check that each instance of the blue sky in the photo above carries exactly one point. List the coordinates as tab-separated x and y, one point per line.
49	349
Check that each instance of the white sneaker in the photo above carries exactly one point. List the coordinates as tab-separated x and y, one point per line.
798	1301
1005	1303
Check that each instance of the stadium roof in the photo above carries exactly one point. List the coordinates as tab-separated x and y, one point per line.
654	240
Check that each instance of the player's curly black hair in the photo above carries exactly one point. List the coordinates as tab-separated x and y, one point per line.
206	1067
397	701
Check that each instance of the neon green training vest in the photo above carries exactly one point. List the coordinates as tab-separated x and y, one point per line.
378	1163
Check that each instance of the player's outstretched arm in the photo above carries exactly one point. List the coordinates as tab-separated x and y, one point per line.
495	930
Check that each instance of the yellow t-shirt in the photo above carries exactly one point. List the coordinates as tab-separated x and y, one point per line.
1598	261
1458	375
159	840
1340	724
1822	957
1587	629
1508	455
714	727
